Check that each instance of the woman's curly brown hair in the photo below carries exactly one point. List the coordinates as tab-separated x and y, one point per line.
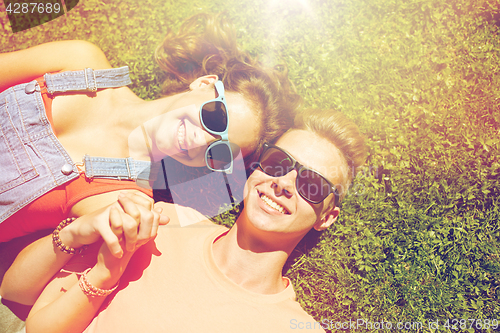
206	45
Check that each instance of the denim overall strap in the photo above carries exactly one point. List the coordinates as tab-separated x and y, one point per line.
32	160
116	168
87	80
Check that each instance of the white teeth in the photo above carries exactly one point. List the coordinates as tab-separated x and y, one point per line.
181	135
272	204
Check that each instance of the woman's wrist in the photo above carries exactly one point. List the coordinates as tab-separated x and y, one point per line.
98	282
102	277
68	238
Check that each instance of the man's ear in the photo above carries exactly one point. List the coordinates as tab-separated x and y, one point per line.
203	81
327	219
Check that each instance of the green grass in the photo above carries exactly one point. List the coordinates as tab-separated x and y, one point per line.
418	238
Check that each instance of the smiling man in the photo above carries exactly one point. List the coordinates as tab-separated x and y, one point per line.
204	277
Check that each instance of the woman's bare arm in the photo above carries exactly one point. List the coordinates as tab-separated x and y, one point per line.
32	269
40	261
25	65
63	306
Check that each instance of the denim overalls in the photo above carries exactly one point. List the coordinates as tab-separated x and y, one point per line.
32	160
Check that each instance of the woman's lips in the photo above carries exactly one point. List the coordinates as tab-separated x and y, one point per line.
181	136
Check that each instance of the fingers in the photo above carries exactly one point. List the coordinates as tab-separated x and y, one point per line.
113	235
141	223
132	223
148	221
125	225
160	208
159	220
139	198
156	224
134	215
164	219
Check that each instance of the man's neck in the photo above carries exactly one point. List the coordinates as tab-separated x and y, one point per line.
248	265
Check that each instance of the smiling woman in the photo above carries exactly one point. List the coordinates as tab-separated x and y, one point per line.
191	133
221	103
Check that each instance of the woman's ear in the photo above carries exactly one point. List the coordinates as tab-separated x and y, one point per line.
203	81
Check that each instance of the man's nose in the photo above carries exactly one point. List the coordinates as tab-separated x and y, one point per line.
285	185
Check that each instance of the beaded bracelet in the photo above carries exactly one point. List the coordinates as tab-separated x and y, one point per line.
57	242
89	290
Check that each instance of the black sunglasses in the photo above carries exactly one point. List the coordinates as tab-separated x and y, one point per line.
215	120
311	185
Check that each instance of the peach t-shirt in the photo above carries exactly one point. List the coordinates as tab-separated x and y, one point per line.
174	285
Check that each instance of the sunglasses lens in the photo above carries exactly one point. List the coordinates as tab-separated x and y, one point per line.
214	116
219	157
275	163
312	186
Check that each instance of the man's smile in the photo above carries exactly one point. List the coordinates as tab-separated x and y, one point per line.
273	204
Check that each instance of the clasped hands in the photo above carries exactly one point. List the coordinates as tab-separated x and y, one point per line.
124	226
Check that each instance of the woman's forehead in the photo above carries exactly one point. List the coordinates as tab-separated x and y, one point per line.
244	122
237	104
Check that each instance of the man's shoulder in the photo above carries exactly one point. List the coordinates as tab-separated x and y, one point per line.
186	223
182	216
298	319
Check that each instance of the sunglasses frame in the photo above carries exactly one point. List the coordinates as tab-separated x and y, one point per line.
213	144
219	87
298	167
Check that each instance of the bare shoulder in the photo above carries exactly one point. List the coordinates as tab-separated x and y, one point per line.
25	65
78	54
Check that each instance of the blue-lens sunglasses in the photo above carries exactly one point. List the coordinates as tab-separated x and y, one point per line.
214	118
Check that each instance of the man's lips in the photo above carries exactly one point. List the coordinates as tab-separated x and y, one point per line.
273	204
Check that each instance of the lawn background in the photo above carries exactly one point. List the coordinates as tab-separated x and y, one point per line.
418	237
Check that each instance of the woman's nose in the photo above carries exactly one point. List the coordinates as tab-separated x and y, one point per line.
196	136
201	140
207	138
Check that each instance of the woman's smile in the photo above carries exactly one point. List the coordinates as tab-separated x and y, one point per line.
181	136
189	138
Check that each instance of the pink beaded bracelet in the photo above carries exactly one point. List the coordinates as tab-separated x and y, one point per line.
89	290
